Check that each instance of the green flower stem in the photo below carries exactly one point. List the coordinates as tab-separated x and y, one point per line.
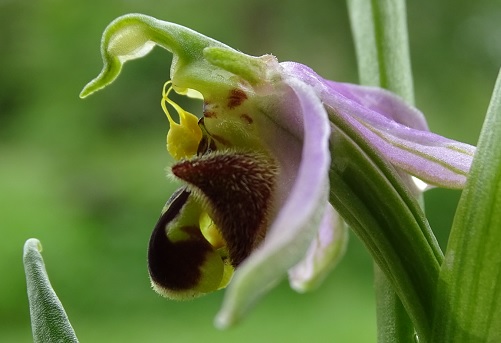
380	33
381	43
468	302
393	322
49	321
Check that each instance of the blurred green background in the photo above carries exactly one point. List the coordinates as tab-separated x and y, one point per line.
87	177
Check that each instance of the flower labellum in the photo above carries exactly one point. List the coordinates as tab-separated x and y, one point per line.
238	189
255	166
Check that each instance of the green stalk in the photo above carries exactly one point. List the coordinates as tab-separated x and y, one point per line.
379	30
468	301
393	323
380	33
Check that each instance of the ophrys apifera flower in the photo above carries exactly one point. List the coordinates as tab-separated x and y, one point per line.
255	166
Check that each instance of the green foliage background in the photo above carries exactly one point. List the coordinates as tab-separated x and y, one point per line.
87	178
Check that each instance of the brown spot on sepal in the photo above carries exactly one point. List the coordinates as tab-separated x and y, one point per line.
209	110
236	98
210	114
246	118
238	188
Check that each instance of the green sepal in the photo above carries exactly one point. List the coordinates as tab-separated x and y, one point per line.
372	198
49	321
250	68
199	62
468	300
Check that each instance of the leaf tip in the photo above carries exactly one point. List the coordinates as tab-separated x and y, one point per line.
32	244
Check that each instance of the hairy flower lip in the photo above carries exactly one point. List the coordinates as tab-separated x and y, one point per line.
237	188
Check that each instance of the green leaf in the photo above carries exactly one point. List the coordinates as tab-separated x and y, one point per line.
371	197
468	305
49	322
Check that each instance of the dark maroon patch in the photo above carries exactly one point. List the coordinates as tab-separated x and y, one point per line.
246	118
175	265
239	188
236	98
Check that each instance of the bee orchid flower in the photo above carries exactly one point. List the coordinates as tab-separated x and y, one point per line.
254	204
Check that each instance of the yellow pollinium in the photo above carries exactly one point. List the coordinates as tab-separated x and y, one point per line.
182	138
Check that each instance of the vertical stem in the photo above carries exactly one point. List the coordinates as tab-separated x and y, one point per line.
380	34
379	30
393	322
